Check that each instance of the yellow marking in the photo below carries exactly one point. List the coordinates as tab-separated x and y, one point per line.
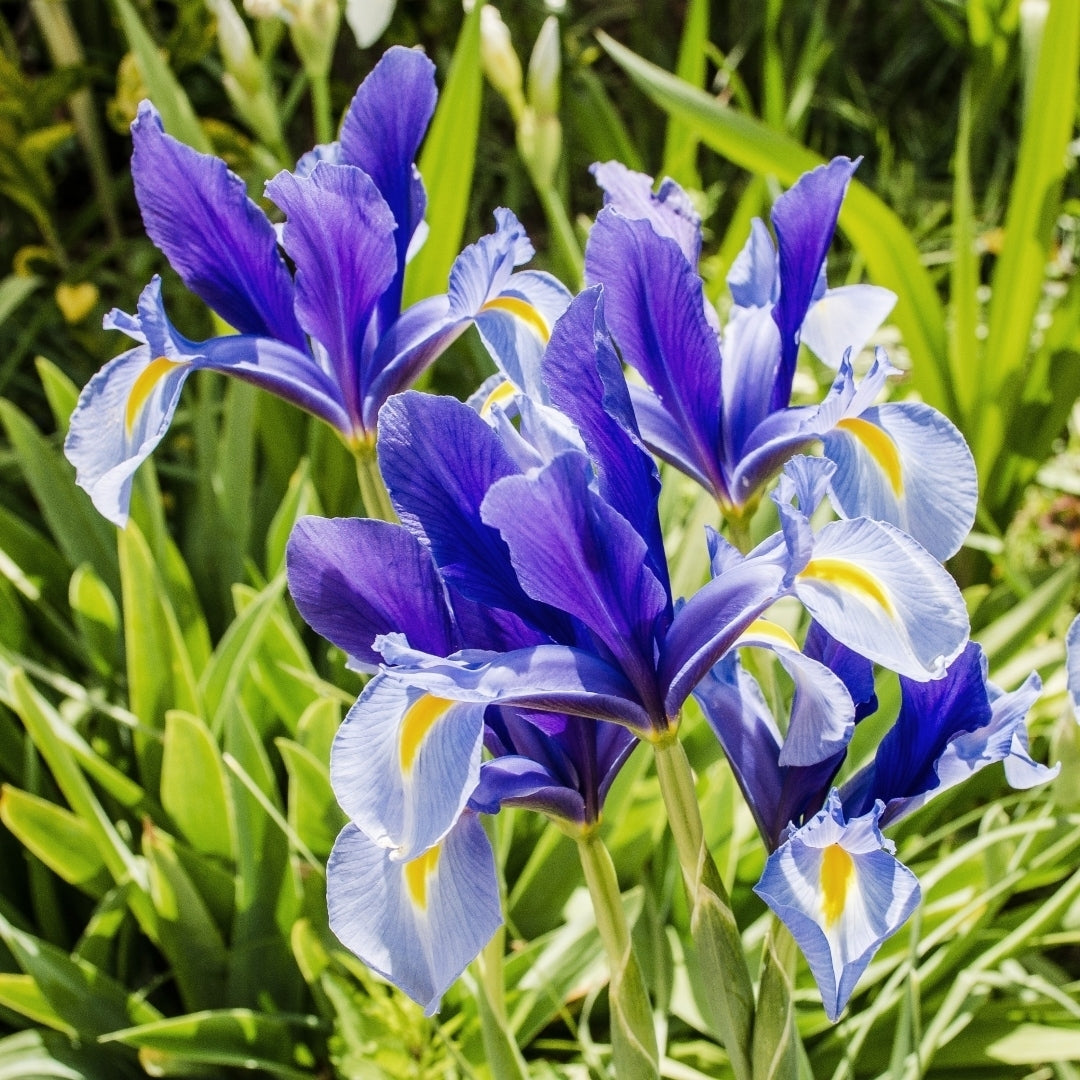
837	871
523	311
499	396
417	722
880	447
144	385
764	628
417	872
848	576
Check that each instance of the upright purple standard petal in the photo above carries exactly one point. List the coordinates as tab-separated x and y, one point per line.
381	134
339	233
804	219
219	242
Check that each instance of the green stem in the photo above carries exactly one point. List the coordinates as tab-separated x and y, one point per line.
564	239
728	992
320	106
373	491
633	1035
776	1038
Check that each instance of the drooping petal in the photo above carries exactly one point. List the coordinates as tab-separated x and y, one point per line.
840	890
404	764
878	592
1072	664
906	464
381	134
855	671
571	550
804	219
339	233
845	318
417	923
219	242
354	579
669	210
822	713
550	678
654	305
586	382
519	781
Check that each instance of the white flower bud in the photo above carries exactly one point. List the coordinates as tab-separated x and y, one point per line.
544	68
499	60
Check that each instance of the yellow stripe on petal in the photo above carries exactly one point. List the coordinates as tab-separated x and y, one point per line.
880	447
419	719
417	872
502	393
837	873
849	577
770	631
522	310
144	385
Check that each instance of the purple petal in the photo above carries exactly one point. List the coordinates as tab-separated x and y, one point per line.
354	579
339	234
518	781
219	242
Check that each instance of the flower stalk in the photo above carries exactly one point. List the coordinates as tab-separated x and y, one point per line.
373	493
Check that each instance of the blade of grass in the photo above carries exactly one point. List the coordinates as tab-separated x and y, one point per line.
681	142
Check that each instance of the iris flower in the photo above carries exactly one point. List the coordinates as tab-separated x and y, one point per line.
561	642
831	876
329	337
729	422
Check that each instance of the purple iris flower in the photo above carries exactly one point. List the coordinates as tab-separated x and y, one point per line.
329	337
831	876
560	641
729	423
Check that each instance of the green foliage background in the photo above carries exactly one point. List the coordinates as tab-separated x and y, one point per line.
165	718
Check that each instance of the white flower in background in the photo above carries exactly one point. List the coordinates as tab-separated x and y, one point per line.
368	19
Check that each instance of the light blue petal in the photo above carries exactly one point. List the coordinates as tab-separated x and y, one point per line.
418	924
878	592
845	318
838	888
753	279
405	763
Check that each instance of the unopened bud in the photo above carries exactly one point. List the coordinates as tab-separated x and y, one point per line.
540	144
499	60
368	19
236	48
544	68
314	33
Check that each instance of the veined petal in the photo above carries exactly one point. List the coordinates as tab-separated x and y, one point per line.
353	579
550	678
669	210
804	219
417	923
219	242
752	278
906	464
822	713
586	382
855	671
751	361
878	592
339	233
843	319
404	764
838	888
381	134
573	551
654	306
661	433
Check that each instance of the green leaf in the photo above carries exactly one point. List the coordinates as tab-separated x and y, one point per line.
62	841
159	669
96	617
21	994
48	1055
282	1045
449	155
165	90
890	253
14	289
313	811
681	142
82	534
82	995
775	1045
195	787
187	933
300	499
61	393
1034	204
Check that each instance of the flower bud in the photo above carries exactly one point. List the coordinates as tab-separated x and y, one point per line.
499	60
544	69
